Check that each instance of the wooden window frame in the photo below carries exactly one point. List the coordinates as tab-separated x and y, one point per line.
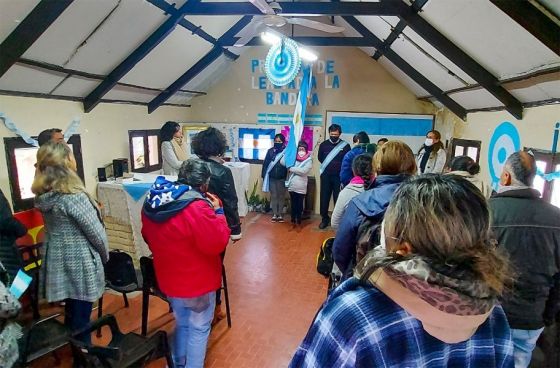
551	159
145	133
13	143
464	143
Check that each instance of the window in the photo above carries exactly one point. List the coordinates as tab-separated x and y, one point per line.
21	159
547	163
465	147
254	143
145	153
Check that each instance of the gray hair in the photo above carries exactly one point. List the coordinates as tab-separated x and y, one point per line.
522	167
194	172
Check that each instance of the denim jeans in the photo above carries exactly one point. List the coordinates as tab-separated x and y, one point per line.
524	342
192	328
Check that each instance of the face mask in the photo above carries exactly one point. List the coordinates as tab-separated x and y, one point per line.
334	139
277	145
429	142
301	153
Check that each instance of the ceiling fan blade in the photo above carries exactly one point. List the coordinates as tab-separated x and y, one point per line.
315	25
248	33
263	6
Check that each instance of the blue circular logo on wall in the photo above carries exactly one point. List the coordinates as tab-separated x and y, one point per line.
503	143
282	62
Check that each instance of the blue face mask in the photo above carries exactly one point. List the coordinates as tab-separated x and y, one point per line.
278	145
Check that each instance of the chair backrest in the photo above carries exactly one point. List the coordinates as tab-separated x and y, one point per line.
149	281
119	270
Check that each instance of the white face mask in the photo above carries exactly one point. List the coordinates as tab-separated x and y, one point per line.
429	142
301	153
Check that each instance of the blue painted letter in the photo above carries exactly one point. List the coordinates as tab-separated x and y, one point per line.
254	65
336	82
329	68
262	82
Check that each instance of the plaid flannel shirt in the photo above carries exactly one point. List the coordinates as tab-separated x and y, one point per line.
359	326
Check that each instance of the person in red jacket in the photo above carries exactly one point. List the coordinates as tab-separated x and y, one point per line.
186	230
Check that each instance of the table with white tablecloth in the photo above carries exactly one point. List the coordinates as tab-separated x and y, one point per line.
241	173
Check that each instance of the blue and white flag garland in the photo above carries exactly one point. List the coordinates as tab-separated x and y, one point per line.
9	123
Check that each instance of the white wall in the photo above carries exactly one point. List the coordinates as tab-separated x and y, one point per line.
536	129
104	131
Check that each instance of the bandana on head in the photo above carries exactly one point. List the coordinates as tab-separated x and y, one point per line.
164	191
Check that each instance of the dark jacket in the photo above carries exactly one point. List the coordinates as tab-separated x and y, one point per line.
370	204
278	171
346	173
222	184
528	229
334	167
10	230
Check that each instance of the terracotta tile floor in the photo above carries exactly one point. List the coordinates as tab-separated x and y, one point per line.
274	290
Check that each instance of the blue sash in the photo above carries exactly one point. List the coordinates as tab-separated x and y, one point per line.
332	154
266	180
297	164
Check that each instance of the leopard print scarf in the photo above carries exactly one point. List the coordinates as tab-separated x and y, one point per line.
450	290
460	294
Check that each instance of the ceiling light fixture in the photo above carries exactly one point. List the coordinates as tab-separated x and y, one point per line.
306	54
271	38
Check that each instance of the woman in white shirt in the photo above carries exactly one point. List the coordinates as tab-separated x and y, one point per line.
432	156
173	151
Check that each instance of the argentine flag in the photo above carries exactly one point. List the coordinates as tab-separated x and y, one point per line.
296	127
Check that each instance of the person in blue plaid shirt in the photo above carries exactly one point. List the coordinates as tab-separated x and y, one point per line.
427	296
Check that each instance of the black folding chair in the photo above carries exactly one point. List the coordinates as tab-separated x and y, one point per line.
226	295
120	275
149	287
42	337
124	350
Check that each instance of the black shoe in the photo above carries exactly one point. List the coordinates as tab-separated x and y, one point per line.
324	224
298	221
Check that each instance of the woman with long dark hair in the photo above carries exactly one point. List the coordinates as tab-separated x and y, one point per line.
173	151
431	156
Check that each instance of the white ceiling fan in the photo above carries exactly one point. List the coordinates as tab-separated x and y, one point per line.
272	17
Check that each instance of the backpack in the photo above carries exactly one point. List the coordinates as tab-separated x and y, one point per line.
368	235
325	259
119	270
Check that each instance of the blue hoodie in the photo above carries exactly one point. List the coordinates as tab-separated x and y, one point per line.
166	199
372	203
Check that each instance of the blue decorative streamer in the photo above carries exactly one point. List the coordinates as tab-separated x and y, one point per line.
69	132
15	129
72	129
550	176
